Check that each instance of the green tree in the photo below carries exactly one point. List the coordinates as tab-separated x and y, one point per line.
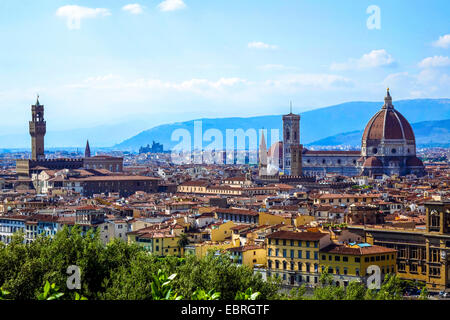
355	291
183	241
328	291
391	289
221	274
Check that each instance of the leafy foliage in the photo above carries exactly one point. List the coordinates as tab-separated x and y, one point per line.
201	294
162	288
51	292
247	295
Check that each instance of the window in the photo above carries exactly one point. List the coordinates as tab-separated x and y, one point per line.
337	258
292	254
330	270
330	258
324	257
269	252
345	259
277	264
357	272
307	244
277	251
434	255
299	243
372	259
316	255
299	254
307	255
345	271
284	242
292	243
357	259
284	253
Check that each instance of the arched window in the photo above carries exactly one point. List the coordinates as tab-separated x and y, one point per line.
284	265
277	264
269	263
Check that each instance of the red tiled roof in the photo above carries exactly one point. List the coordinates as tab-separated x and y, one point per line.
343	249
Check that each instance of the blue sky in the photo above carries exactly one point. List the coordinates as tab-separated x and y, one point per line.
153	62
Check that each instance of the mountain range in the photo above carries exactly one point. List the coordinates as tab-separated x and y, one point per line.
331	126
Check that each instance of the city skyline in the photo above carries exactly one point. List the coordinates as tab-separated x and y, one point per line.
181	60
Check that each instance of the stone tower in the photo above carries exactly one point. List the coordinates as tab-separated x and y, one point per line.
37	131
292	153
87	151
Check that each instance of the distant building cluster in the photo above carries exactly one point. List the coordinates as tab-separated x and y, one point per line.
155	148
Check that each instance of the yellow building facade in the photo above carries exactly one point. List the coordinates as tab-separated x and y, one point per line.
350	263
294	256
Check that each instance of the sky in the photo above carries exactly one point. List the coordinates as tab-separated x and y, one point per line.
145	63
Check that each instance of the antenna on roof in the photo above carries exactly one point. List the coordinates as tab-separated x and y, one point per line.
290	105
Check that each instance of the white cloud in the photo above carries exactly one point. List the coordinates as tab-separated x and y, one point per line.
429	83
171	5
443	41
74	14
310	81
436	61
373	59
133	8
261	45
194	85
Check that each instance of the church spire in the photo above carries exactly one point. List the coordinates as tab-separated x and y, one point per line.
87	151
37	100
290	107
262	155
